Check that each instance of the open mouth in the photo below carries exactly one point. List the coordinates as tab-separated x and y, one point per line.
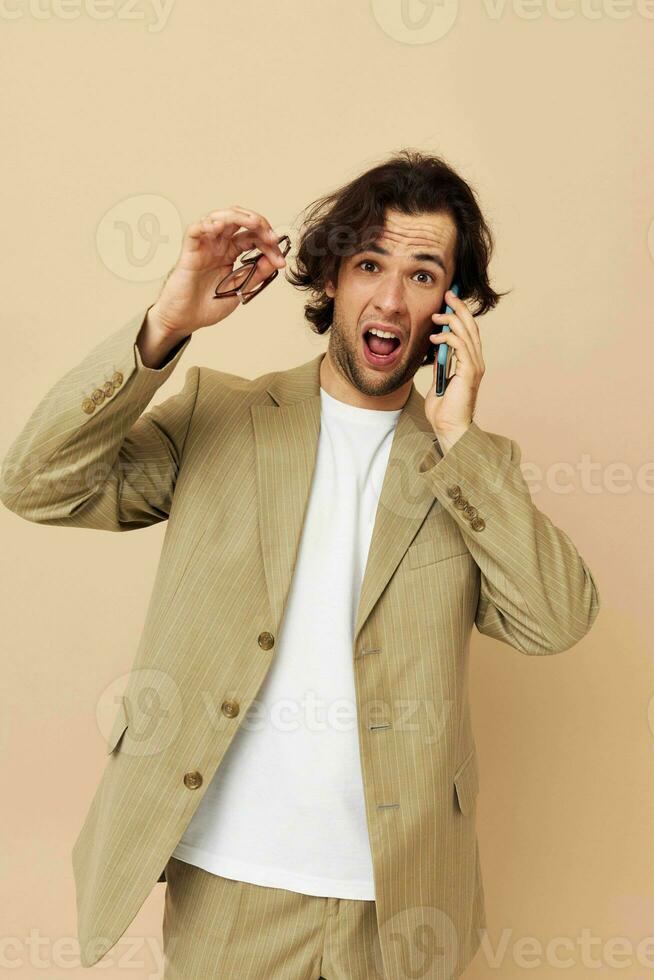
380	350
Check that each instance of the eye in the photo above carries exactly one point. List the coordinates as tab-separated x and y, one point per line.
421	272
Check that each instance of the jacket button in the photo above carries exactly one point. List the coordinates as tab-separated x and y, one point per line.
193	779
454	491
88	406
108	389
461	503
98	396
116	379
478	524
266	641
470	511
230	708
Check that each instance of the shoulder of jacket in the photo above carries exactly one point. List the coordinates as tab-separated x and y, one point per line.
504	442
228	383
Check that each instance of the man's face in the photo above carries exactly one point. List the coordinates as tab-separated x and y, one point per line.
395	292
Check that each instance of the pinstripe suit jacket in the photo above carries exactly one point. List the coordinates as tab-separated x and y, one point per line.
228	462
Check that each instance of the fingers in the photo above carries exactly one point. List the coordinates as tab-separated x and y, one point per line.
466	356
245	241
463	335
454	337
220	226
465	316
259	233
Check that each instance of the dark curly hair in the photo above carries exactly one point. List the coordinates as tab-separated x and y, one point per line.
346	221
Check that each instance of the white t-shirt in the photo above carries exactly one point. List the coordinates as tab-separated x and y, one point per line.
286	807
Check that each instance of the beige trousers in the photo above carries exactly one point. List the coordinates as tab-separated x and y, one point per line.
215	927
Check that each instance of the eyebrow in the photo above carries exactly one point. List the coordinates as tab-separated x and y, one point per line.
418	256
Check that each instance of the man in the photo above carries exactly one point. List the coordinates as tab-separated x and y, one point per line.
332	537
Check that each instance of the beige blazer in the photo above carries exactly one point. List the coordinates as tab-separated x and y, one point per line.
228	462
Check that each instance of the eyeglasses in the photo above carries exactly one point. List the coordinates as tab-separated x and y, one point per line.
234	283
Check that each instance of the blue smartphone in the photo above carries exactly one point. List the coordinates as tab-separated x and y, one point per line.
444	354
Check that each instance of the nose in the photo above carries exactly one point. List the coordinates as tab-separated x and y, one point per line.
389	296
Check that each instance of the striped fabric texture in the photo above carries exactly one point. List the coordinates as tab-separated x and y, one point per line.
216	928
228	462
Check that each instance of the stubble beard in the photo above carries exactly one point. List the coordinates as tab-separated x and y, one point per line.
344	350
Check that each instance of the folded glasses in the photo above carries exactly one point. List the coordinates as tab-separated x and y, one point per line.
235	282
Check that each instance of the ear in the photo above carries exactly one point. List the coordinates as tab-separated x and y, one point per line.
329	289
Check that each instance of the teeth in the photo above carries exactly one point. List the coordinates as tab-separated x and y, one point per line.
381	333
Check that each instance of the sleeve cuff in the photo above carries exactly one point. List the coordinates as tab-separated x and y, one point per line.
475	469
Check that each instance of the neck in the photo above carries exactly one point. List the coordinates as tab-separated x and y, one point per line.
336	385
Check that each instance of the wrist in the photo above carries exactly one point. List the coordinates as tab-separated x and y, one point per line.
160	327
448	436
155	342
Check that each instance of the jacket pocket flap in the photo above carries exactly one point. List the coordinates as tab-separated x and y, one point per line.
436	549
466	781
120	723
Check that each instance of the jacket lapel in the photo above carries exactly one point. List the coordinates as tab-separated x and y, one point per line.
286	441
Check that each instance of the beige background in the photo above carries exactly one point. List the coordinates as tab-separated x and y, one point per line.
120	130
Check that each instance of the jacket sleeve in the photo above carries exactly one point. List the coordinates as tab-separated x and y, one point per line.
88	456
536	592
